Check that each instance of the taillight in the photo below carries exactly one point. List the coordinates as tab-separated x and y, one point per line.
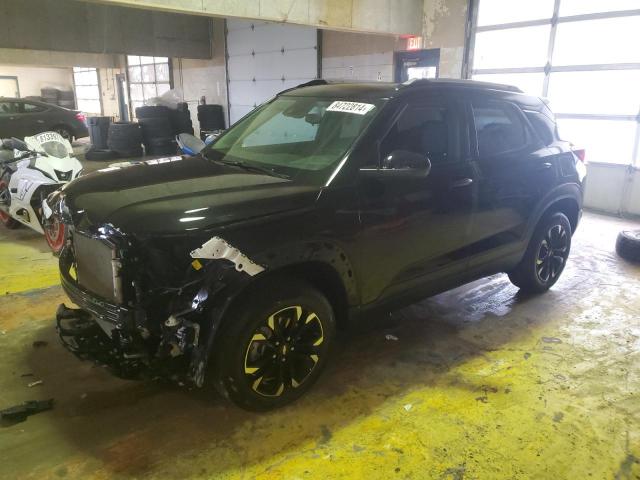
81	116
580	153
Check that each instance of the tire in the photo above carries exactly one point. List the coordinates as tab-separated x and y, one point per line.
181	122
100	155
628	245
254	333
55	233
5	218
155	127
152	111
211	117
124	138
546	255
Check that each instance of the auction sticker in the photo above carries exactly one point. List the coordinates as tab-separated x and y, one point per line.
350	107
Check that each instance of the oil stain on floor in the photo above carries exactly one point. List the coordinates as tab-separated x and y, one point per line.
481	383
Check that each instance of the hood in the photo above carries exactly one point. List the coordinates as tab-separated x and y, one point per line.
179	194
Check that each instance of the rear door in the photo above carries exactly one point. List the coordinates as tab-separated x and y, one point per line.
513	172
32	118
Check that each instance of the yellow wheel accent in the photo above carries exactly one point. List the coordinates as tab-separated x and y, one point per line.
283	351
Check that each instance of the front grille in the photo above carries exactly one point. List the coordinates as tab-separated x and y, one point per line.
63	176
95	264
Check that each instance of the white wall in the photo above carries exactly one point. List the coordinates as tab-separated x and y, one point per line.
208	78
613	189
357	56
32	79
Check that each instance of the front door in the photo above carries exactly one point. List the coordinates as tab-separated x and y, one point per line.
413	229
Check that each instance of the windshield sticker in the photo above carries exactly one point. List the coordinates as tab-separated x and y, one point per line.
351	107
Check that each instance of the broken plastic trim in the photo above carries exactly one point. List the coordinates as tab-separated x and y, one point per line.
218	248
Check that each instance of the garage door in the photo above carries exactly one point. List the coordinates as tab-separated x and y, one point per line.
266	58
582	55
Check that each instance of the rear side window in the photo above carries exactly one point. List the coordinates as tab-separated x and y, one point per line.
499	128
543	125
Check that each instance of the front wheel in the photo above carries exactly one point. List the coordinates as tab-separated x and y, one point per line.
274	346
546	255
5	199
54	233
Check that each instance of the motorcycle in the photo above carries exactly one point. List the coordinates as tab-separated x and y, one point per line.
29	171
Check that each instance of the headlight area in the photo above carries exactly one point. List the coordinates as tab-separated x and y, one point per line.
156	331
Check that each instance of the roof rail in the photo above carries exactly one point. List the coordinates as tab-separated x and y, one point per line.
311	83
416	82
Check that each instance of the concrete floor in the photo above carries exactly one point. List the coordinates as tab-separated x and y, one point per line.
482	383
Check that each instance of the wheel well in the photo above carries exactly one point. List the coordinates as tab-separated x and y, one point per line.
569	207
318	274
65	126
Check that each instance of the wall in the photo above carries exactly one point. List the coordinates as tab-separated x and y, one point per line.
31	79
197	78
613	189
443	27
72	26
381	16
357	56
41	58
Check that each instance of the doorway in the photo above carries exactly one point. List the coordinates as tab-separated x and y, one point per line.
417	64
9	87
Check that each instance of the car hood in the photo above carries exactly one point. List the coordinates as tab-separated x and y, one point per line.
179	194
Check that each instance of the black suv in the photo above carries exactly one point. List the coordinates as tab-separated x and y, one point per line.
235	267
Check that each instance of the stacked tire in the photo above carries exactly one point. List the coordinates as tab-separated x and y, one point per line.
125	138
181	119
157	133
211	118
628	245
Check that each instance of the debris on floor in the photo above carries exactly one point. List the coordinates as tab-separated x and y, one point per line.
19	413
39	343
35	384
388	336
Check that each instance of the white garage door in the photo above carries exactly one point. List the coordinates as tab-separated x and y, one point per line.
581	54
266	58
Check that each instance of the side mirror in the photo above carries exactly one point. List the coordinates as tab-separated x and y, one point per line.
401	163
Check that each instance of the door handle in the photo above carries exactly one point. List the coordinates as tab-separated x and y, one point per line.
463	182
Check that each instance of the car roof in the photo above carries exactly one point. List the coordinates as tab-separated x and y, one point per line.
35	102
323	88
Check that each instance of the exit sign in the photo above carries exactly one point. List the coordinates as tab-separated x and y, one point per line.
414	43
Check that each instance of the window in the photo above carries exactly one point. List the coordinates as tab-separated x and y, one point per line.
148	78
7	108
282	129
32	108
580	54
425	129
87	90
499	128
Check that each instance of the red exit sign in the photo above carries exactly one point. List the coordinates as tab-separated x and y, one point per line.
414	43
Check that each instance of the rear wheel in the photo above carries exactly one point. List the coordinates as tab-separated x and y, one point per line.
55	232
275	346
546	255
5	201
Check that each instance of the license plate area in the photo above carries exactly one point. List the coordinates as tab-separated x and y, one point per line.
95	263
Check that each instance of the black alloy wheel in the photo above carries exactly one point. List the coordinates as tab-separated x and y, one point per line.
273	344
546	255
552	254
283	351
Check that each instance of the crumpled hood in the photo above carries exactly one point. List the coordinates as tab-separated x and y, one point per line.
177	194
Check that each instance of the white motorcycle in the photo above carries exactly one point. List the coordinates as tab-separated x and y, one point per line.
29	171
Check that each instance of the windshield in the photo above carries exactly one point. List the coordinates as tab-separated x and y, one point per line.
55	149
303	138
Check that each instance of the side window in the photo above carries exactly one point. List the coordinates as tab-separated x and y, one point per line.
32	108
431	130
7	108
543	125
499	128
